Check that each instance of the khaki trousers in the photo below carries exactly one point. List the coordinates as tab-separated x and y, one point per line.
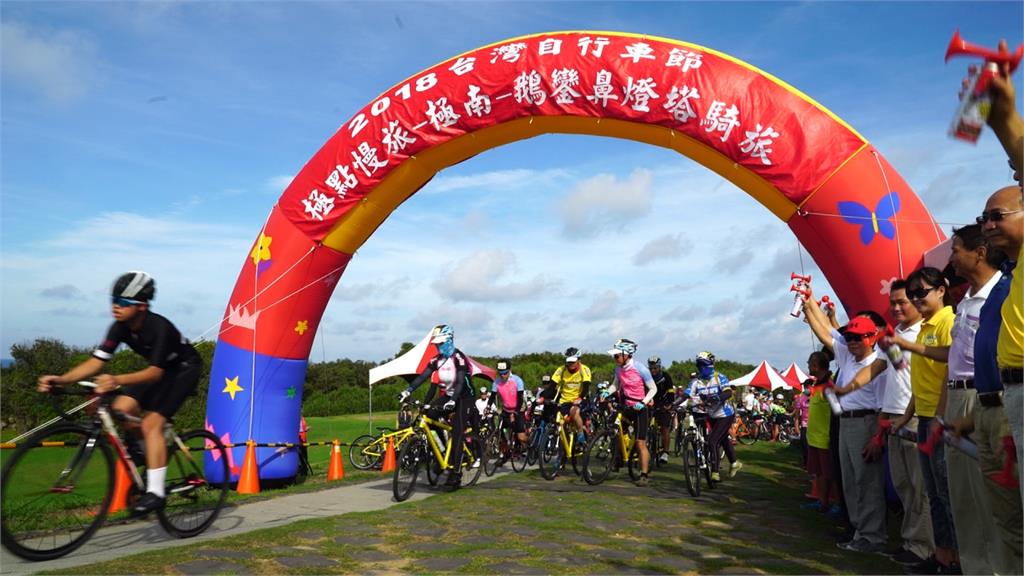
905	469
968	500
990	427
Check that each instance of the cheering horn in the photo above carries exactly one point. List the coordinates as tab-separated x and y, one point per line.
960	47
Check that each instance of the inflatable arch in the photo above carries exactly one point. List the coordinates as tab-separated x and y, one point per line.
848	207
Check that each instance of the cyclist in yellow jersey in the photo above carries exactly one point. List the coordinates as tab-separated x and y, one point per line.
573	381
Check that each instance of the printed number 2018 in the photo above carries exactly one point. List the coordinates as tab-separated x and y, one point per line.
423	83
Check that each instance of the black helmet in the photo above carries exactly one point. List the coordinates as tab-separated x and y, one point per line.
135	285
572	354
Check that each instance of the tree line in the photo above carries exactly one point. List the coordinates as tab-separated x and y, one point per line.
331	388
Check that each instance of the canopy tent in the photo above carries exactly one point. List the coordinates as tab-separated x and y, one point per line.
412	363
795	376
764	376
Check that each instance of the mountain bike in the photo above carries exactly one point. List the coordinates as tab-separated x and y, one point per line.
367	451
425	450
612	447
559	446
696	426
747	427
58	484
502	446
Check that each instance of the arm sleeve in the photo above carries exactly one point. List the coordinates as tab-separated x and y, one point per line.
430	394
105	351
652	388
585	387
520	403
427	372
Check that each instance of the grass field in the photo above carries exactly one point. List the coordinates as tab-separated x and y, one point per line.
522	524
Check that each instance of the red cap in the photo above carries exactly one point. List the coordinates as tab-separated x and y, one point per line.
861	325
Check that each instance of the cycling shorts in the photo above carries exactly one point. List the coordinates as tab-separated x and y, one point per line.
664	418
565	408
166	395
516	425
641	420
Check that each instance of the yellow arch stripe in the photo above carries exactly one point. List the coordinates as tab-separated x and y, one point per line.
352	229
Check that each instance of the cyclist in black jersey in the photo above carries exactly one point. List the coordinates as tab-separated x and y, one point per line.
663	399
453	371
160	389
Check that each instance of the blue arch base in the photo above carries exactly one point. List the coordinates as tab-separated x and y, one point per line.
275	413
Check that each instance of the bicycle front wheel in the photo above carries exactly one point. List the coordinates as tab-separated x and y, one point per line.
552	454
600	457
744	435
519	454
364	454
691	466
493	453
410	458
472	461
634	463
56	491
193	501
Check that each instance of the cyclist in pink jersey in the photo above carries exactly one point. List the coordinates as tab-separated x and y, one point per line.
510	388
637	390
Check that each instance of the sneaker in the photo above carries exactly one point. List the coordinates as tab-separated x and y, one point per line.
907	558
834	512
642	481
812	506
953	568
147	504
454	481
927	566
663	458
863	545
476	463
734	468
716	477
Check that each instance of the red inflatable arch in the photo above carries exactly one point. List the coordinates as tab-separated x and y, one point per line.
846	204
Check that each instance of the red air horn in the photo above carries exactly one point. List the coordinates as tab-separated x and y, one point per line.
975	102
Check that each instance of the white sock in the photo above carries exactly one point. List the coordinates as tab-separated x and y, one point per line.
155	480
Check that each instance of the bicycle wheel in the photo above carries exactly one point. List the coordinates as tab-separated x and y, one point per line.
55	492
576	459
654	445
534	447
600	457
519	452
364	452
634	462
691	466
679	443
552	454
745	435
193	502
706	464
410	458
472	461
493	453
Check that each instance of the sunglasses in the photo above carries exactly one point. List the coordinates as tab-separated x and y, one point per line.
857	337
994	216
919	293
124	302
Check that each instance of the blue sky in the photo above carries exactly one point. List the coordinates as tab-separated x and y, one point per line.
157	136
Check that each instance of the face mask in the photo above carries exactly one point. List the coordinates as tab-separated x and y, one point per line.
807	392
447	348
705	372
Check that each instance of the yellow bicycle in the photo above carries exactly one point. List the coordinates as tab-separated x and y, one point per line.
557	447
424	449
367	451
611	448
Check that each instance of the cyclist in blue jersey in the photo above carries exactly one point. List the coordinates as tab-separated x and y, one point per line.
713	390
160	388
637	389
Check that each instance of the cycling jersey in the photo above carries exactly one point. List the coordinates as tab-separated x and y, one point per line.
453	375
710	390
665	394
158	341
510	390
570	385
635	382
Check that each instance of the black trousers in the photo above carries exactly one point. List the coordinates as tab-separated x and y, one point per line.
720	435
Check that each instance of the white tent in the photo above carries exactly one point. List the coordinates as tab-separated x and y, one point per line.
764	376
795	376
412	363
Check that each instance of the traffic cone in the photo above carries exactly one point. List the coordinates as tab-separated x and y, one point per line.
389	458
336	468
122	484
249	480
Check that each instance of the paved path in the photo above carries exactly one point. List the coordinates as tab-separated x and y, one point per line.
122	540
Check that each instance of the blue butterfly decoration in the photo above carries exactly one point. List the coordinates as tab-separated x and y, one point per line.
872	223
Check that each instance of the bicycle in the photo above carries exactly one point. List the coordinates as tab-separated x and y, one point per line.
58	485
611	448
557	447
502	446
424	450
744	433
697	425
367	451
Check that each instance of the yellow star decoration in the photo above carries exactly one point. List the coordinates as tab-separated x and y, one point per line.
302	326
261	251
231	386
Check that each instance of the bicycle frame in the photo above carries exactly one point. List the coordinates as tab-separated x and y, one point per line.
380	444
426	424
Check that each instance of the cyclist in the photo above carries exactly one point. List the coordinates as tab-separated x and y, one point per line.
510	388
160	388
663	398
573	382
636	389
452	367
778	409
714	390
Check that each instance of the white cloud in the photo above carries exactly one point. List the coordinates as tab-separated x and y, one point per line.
500	180
666	247
386	290
277	184
478	278
59	64
604	306
62	292
603	201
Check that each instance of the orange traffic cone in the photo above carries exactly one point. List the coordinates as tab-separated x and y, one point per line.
815	493
249	480
336	468
122	484
389	458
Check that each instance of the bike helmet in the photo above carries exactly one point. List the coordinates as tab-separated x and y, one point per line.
623	346
654	361
545	380
572	355
504	365
705	359
134	285
441	333
780	397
